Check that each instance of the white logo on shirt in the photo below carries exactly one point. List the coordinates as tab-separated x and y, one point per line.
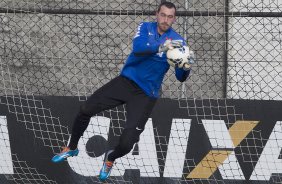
138	30
160	54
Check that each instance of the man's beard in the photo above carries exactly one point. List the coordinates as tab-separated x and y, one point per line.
164	26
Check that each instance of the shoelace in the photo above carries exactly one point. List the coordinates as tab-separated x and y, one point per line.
109	165
65	149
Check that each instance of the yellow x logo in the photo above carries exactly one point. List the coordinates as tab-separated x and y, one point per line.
209	164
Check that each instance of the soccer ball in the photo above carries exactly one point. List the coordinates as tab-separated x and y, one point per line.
178	57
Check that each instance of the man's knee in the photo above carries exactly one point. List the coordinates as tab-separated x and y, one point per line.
88	110
128	138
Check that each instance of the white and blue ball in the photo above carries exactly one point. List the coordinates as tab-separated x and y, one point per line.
178	57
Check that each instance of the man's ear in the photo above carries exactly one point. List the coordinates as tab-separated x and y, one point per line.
174	19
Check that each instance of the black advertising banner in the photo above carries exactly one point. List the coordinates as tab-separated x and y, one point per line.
187	141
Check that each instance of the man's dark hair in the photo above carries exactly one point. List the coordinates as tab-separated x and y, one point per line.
166	4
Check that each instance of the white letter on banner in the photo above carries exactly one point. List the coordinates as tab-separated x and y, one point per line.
6	164
220	138
146	161
268	162
177	146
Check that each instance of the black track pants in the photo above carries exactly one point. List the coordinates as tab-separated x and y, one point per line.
118	91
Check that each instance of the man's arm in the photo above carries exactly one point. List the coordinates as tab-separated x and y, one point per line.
141	45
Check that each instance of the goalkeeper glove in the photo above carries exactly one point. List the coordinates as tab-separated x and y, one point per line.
170	44
191	60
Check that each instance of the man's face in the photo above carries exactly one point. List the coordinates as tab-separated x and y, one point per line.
165	18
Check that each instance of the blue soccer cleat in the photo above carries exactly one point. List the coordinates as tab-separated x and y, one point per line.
107	167
66	152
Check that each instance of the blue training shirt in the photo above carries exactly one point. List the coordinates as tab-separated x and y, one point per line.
145	66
